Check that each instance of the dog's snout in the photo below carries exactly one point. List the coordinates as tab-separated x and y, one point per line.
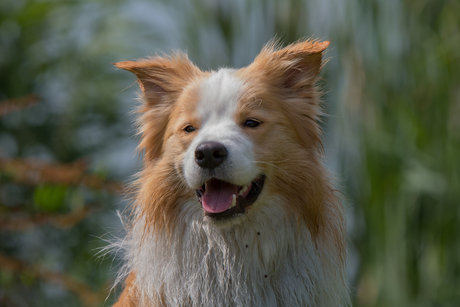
210	154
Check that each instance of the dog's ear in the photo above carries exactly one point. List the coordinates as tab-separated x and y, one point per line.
294	66
302	62
291	74
161	79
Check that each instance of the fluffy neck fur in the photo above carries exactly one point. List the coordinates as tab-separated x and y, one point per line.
268	260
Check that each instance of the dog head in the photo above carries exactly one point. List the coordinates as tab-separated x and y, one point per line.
229	141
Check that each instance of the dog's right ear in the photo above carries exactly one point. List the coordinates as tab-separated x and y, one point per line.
161	79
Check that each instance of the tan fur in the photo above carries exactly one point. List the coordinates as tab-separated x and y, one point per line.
129	296
162	80
279	89
292	142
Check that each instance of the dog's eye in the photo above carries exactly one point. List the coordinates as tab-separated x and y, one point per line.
189	129
251	123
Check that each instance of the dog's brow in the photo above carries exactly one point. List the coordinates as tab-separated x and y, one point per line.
252	104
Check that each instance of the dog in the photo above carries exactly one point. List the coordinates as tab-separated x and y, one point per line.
233	206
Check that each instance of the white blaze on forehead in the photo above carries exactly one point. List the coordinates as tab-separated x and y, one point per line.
217	106
219	96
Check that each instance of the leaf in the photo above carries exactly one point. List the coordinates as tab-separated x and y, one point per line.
49	198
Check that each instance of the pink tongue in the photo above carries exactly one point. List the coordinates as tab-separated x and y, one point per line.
218	196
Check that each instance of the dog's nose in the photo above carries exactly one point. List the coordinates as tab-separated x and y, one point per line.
210	154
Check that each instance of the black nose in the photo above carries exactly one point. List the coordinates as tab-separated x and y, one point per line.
210	154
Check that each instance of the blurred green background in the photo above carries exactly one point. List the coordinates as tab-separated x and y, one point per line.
67	140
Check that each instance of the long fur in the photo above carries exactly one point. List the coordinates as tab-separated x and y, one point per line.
289	249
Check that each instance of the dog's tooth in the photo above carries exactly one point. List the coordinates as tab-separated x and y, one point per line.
233	201
243	189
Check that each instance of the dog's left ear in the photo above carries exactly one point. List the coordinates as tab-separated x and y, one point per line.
292	73
303	62
294	66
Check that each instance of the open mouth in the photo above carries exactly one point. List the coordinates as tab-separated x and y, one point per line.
222	200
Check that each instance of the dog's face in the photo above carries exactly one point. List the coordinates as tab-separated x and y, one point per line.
232	139
219	160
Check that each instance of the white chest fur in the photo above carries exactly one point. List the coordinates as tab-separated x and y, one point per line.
265	260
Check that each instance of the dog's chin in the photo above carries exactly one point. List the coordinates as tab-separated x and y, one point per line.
224	202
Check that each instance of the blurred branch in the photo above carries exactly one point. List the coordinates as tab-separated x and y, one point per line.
10	105
88	297
36	172
19	221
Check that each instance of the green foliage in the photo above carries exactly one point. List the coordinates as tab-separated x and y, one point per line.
57	50
49	198
410	181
